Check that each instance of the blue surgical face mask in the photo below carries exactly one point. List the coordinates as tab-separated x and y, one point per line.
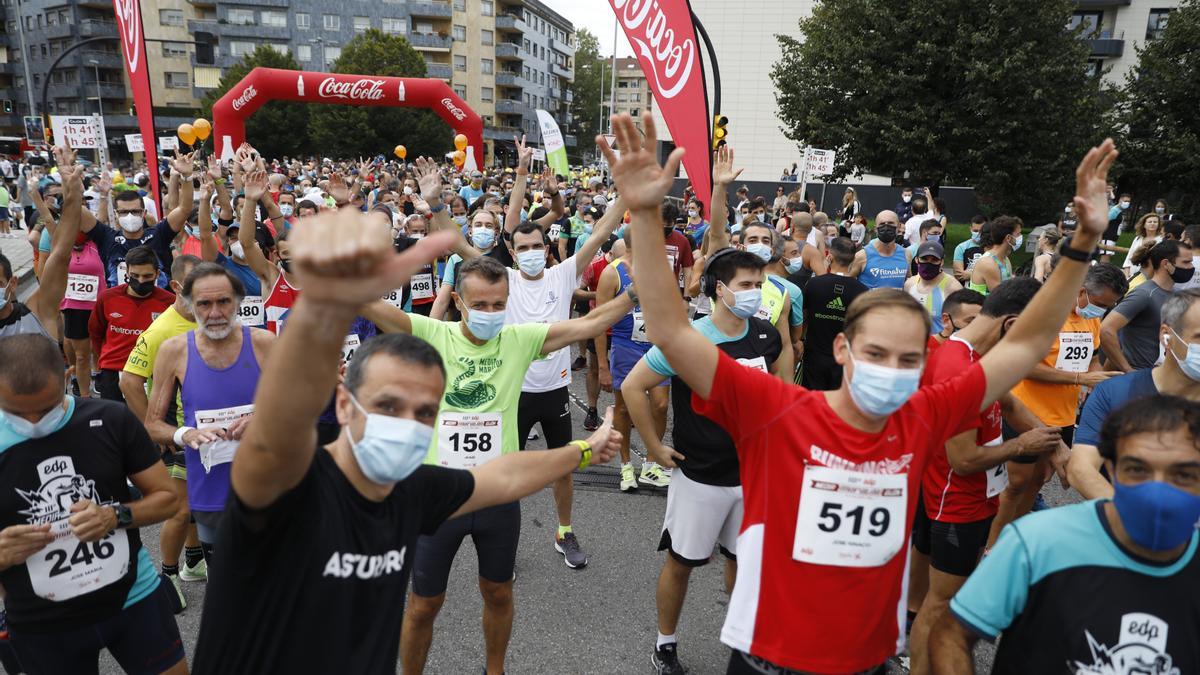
975	236
461	220
192	230
881	390
1189	364
483	237
794	265
1017	241
761	250
391	448
745	303
1092	311
484	325
1157	515
532	262
43	427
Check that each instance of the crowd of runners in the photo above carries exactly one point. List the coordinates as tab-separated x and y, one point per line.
318	377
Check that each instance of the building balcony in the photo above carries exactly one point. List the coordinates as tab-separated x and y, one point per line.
203	26
500	133
430	10
440	71
510	22
97	28
562	71
504	79
57	31
563	47
257	31
96	4
102	60
203	3
508	106
1107	46
428	41
109	91
508	50
1097	4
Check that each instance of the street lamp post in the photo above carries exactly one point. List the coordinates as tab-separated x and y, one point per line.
99	100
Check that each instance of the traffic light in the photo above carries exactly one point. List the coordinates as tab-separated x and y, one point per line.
719	132
8	107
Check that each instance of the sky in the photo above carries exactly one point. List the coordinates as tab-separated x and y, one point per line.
597	16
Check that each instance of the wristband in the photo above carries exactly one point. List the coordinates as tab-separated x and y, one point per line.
585	452
179	434
1068	252
219	181
224	222
437	209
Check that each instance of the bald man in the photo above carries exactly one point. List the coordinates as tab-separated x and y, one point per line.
881	263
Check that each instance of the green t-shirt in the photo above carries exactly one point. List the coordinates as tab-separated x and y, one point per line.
477	421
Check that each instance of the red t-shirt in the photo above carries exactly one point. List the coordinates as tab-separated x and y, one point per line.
591	277
118	319
278	302
805	615
931	346
951	497
679	253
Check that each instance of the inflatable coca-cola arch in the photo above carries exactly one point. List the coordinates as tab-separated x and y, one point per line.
271	84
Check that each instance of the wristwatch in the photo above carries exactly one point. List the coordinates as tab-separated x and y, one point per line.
437	209
1067	251
585	451
124	516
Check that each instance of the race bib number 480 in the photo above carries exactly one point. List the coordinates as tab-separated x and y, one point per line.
67	568
638	334
850	519
251	312
467	440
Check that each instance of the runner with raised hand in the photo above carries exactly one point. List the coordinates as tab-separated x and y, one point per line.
341	522
830	479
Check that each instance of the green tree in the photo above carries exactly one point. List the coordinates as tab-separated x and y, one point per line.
947	92
352	131
277	128
1160	149
585	90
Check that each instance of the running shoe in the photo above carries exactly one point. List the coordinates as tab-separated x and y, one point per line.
533	435
569	547
592	421
579	364
628	478
197	572
653	474
666	661
178	592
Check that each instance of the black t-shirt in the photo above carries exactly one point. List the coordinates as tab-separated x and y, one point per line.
711	456
825	301
971	255
316	582
114	246
69	584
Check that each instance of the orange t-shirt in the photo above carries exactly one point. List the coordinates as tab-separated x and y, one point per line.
1057	404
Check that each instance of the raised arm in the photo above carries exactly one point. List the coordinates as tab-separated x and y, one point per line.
643	183
256	186
208	242
1035	329
718	206
279	446
183	207
429	179
516	196
52	285
550	187
600	234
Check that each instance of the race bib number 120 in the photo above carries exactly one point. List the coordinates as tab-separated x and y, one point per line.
850	519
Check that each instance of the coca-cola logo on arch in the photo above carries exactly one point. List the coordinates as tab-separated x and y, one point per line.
129	16
245	97
672	63
358	90
458	112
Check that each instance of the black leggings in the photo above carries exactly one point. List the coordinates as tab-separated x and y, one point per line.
552	409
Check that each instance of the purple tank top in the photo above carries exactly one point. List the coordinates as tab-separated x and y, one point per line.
214	398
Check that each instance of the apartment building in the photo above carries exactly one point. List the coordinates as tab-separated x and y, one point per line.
633	93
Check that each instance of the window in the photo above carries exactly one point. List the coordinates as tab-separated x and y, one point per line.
635	112
240	48
460	63
394	26
622	84
303	21
1089	20
361	24
622	98
241	17
332	54
486	66
526	99
304	52
167	17
51	19
461	90
486	94
635	97
487	37
332	22
486	7
423	27
1157	23
274	19
460	33
1095	68
174	49
279	48
176	80
460	5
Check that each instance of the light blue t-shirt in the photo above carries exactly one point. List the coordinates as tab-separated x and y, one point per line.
470	194
657	361
797	296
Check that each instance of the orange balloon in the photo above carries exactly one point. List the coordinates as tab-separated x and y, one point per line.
401	151
186	133
459	157
460	142
202	129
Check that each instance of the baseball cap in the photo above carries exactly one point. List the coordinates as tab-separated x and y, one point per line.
932	248
476	174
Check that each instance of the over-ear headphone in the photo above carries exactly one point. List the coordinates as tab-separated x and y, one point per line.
708	280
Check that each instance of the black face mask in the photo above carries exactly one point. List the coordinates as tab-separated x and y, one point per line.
286	265
667	231
1183	275
140	288
886	233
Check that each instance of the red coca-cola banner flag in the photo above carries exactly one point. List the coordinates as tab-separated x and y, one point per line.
133	44
664	40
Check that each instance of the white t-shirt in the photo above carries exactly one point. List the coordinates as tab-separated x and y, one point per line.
912	226
858	232
545	300
151	209
1133	247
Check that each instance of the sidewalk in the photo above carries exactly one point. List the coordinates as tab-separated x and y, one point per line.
16	248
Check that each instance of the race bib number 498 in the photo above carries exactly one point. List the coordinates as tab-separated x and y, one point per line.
850	519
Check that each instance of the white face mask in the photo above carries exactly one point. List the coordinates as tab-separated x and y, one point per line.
408	190
131	222
237	250
286	210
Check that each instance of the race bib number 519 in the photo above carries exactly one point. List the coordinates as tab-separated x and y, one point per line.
850	519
